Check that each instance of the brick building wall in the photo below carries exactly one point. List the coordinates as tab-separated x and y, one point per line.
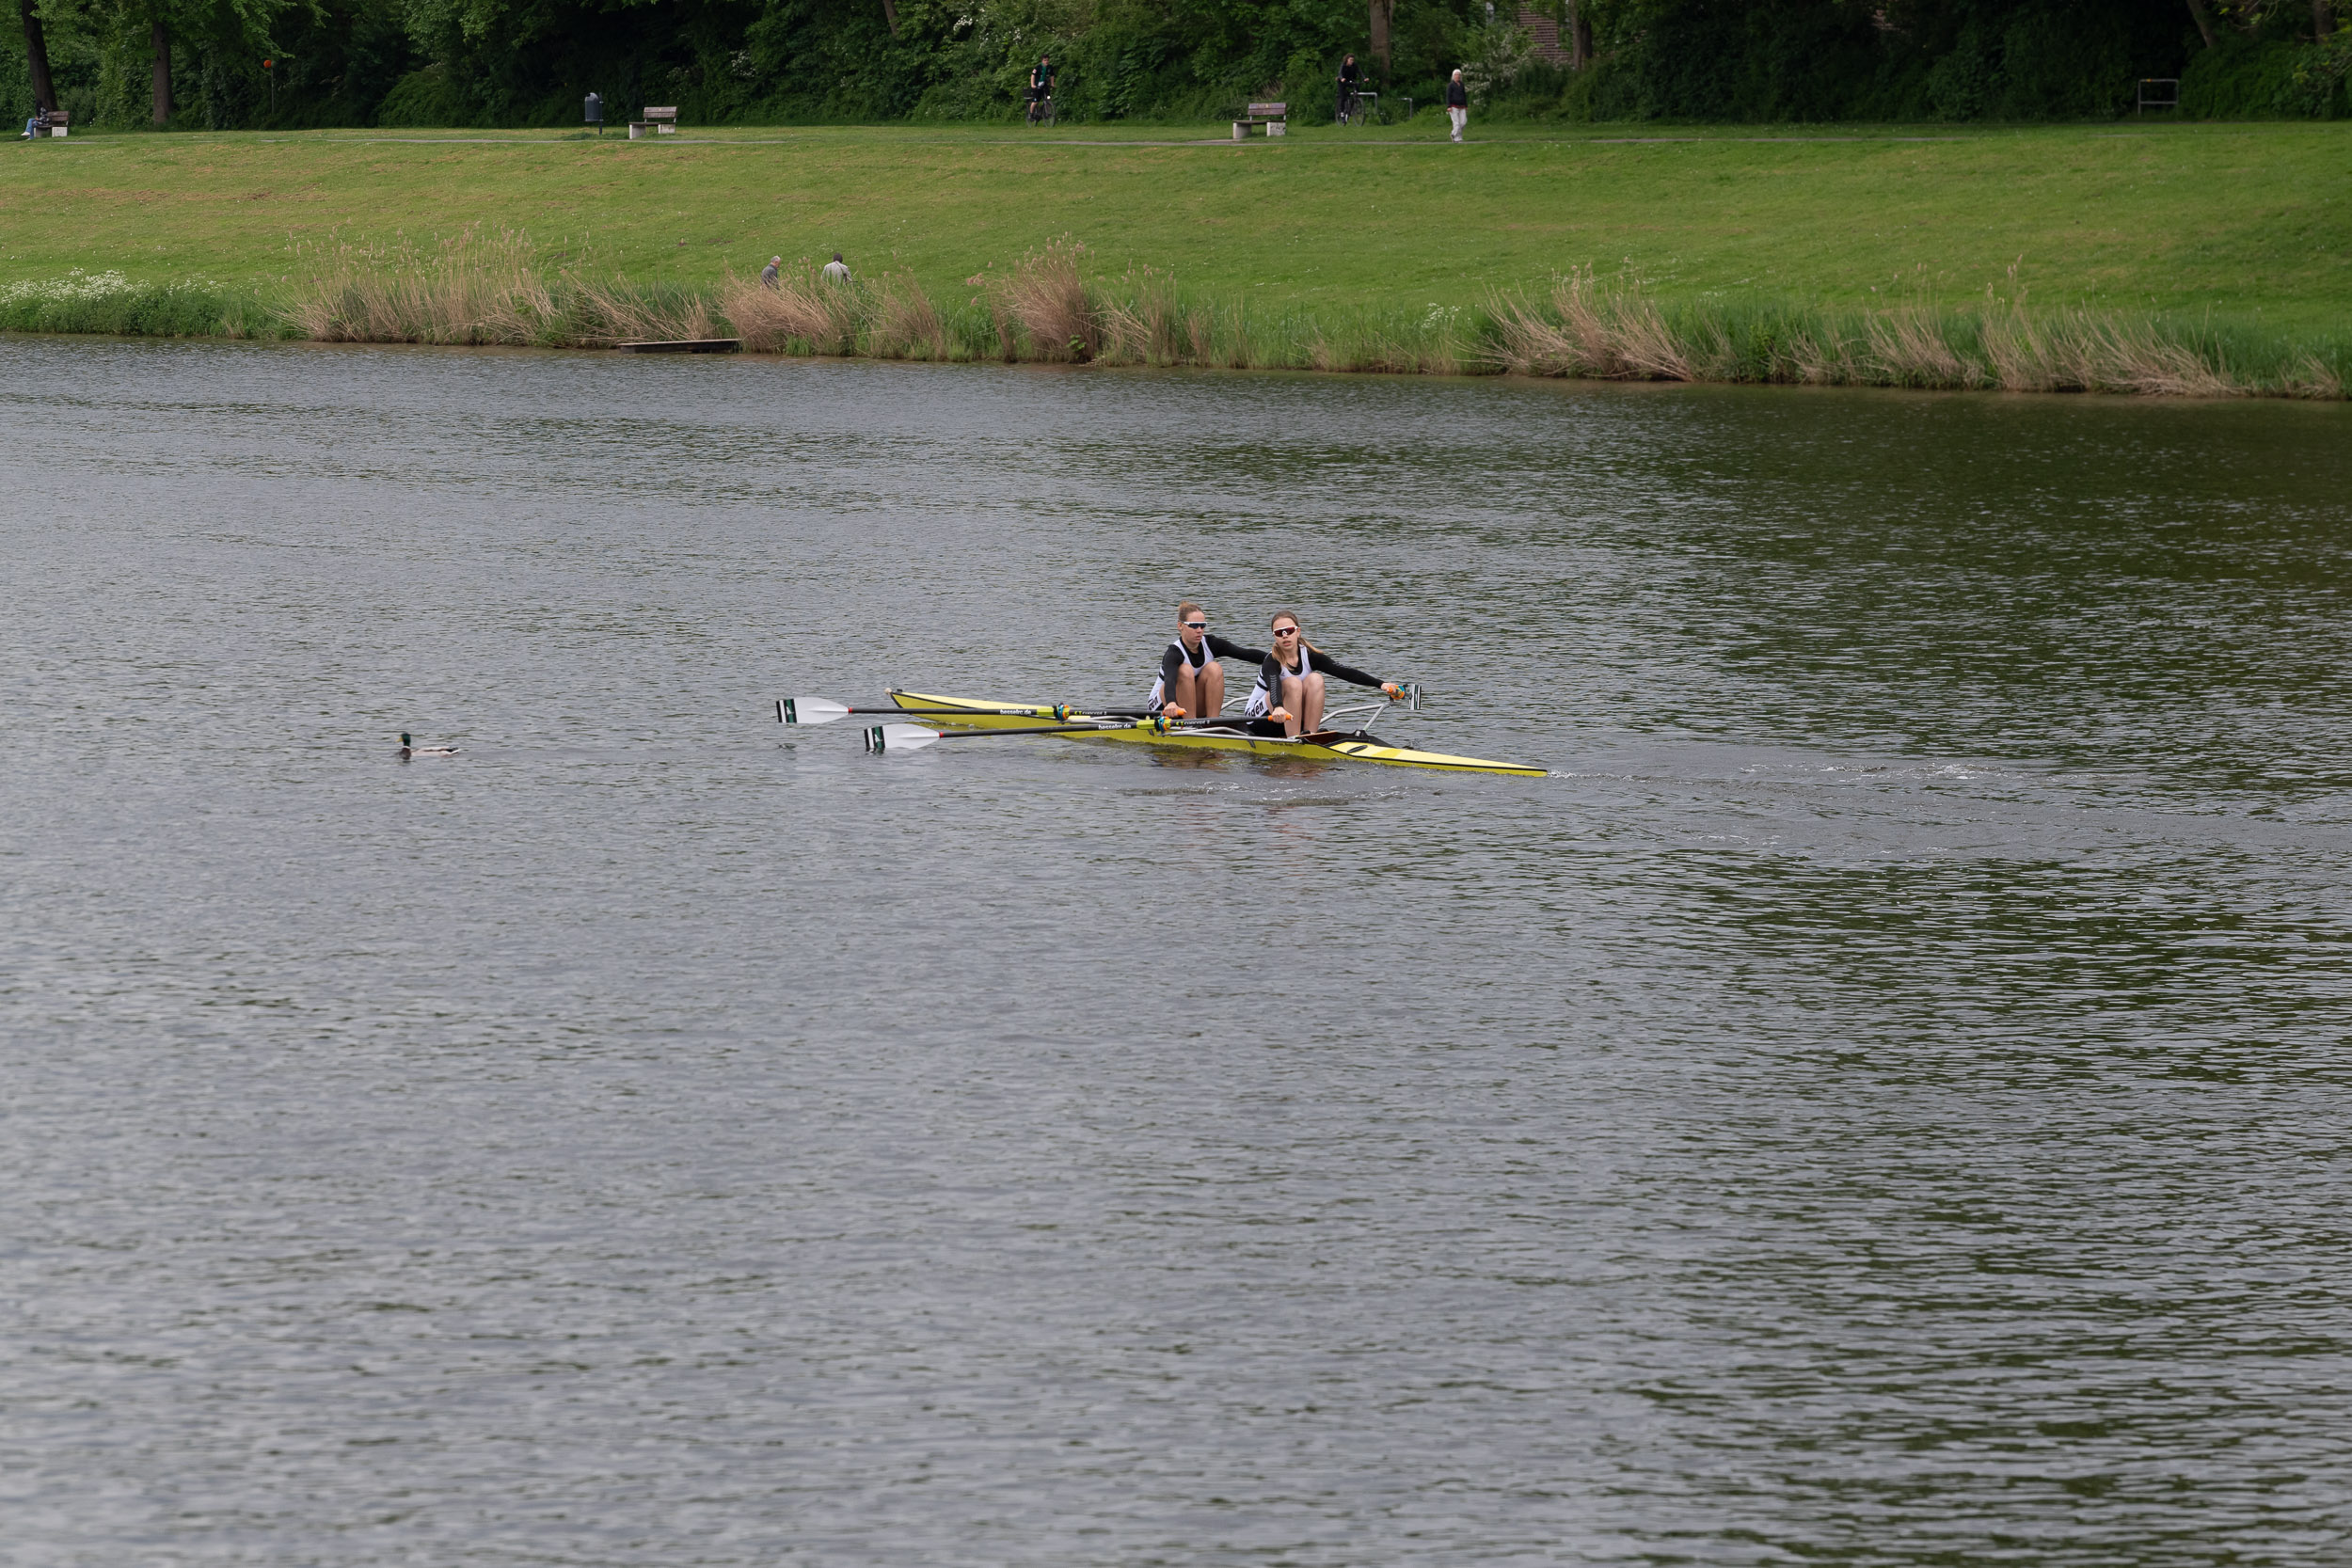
1551	47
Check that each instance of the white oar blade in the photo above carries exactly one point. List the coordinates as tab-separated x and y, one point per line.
899	738
810	710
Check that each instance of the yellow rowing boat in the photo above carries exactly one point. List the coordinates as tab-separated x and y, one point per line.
971	713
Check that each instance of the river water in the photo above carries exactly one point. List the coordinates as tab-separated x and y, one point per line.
1881	1101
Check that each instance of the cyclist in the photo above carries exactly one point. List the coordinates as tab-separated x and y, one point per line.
1040	87
1349	76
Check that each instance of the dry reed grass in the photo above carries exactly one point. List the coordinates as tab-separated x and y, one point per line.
1605	334
2310	378
478	287
2077	351
804	313
1045	297
1148	326
1909	349
495	288
904	324
1584	328
1825	360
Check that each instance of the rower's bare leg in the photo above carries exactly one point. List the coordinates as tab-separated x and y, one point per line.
1311	703
1183	692
1294	694
1210	685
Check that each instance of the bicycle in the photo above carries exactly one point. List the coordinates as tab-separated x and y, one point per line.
1350	106
1041	110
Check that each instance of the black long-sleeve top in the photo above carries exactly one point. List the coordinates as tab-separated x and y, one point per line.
1219	647
1271	670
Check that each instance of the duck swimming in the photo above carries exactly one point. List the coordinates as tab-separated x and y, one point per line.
410	749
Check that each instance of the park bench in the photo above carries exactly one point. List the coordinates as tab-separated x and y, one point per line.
655	122
59	120
1268	115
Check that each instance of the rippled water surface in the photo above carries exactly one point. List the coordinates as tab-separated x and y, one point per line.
1882	1099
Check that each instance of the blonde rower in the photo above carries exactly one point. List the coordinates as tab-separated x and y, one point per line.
1290	679
1192	682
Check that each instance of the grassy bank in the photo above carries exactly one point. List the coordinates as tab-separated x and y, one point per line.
2245	222
1762	254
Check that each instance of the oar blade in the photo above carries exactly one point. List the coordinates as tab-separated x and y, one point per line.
901	737
810	710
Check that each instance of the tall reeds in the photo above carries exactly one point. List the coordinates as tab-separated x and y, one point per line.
478	287
501	288
1043	310
801	312
1584	328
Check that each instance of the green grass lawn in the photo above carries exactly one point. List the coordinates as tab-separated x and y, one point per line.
2251	223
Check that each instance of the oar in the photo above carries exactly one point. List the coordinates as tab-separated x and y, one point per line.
818	710
913	737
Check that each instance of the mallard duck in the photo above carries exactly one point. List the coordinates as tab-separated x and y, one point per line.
411	749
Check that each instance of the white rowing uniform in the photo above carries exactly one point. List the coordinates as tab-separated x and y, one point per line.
1159	697
1261	701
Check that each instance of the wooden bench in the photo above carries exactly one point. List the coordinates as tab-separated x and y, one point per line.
59	121
656	122
1268	115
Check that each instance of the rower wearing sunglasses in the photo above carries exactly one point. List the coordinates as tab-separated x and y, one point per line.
1290	680
1192	682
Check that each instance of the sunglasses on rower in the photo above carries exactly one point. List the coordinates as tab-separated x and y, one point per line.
1197	625
1286	631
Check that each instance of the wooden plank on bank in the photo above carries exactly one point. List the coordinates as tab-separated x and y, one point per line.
683	346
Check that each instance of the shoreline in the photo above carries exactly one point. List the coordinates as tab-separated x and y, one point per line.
495	291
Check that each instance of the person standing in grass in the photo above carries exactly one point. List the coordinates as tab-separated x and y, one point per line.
768	274
836	270
1457	105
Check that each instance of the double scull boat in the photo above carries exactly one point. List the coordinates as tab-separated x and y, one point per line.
1229	734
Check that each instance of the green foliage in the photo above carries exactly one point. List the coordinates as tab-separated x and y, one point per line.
426	98
742	62
111	303
2257	78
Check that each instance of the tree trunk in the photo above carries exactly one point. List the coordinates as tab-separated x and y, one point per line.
2204	21
890	14
2323	19
1381	11
162	72
36	56
1580	35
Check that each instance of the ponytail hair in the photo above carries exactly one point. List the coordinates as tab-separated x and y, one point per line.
1186	609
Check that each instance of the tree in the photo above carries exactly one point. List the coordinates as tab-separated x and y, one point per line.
1383	13
36	56
2204	21
161	39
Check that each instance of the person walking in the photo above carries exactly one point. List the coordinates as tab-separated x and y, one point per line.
1457	105
836	270
769	274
